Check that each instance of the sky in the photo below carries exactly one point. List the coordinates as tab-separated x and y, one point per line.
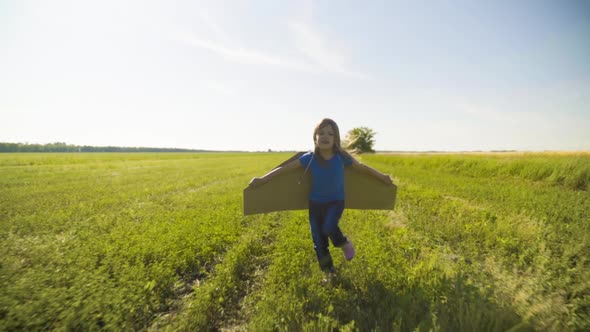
258	75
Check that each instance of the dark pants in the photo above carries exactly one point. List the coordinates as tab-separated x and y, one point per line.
323	221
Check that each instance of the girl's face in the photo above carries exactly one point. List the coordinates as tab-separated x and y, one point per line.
325	138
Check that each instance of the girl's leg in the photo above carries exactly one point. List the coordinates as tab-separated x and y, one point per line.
320	239
333	212
330	227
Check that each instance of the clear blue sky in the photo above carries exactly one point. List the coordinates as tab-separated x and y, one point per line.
254	75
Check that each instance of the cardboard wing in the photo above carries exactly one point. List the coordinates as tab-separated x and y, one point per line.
283	192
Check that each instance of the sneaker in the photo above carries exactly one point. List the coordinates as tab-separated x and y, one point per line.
348	250
329	275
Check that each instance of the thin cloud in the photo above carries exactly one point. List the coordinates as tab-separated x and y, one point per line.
310	42
317	56
243	55
483	113
534	123
213	26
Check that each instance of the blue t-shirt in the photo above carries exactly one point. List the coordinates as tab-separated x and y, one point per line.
327	182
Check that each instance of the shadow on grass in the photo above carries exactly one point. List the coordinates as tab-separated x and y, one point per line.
452	305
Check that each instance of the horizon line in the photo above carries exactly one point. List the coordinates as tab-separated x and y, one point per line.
189	150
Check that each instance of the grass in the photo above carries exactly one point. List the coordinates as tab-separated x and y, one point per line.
158	242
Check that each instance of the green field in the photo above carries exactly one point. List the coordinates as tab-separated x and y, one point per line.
158	242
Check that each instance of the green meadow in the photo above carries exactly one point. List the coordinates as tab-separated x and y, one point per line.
157	241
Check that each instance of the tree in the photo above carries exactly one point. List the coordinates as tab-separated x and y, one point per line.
360	139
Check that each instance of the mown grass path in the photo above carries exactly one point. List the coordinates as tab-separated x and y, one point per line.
158	242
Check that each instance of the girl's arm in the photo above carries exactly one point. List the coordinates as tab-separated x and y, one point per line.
371	171
255	182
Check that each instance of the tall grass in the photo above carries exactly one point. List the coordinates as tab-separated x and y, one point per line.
569	170
527	235
158	242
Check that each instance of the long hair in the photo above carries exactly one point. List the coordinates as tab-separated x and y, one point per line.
337	144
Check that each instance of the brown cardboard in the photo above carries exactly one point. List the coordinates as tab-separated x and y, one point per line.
283	192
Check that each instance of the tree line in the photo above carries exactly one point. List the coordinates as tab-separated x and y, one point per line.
360	140
63	147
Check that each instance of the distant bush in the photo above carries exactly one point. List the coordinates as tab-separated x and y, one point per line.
361	139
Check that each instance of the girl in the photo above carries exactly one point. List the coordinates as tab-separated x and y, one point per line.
326	199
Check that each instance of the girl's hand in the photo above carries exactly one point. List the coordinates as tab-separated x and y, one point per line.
256	182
